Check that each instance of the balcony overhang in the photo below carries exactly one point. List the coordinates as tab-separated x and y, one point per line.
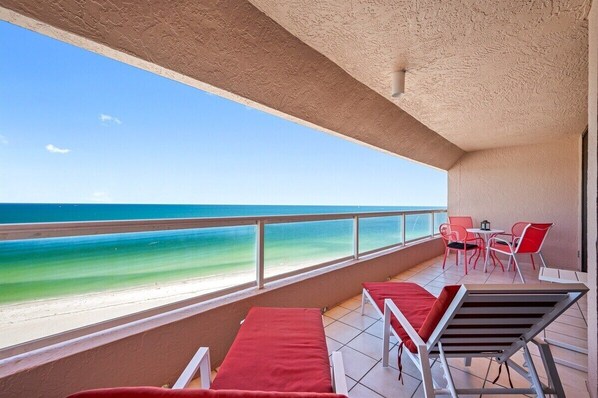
232	49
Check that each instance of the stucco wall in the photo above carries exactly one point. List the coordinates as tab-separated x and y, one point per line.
158	356
592	203
527	183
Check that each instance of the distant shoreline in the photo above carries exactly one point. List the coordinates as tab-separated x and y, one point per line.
26	321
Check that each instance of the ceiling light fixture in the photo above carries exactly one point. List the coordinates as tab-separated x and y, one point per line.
398	83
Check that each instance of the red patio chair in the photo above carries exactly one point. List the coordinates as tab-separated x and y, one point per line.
455	238
530	242
467	222
515	235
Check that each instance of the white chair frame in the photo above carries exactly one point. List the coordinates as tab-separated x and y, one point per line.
201	362
510	319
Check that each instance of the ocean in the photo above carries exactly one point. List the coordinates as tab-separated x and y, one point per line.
57	267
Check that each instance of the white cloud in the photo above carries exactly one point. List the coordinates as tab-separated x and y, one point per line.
109	119
3	140
54	149
101	197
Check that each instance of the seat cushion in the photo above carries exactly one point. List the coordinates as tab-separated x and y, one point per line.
459	245
278	349
156	392
419	306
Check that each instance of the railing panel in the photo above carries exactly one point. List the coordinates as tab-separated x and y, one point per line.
289	247
378	232
83	280
417	226
439	219
59	276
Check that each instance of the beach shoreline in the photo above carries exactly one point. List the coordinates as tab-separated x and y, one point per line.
30	320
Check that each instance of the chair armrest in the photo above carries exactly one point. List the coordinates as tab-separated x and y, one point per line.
201	362
339	381
392	307
495	239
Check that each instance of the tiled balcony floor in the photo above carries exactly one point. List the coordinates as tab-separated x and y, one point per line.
359	338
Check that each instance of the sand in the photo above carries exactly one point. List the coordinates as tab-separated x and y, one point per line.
26	321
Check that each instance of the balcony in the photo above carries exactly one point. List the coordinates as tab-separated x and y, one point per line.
497	95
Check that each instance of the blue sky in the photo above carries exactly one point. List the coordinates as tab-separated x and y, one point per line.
76	127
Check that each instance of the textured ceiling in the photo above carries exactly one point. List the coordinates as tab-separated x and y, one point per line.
481	74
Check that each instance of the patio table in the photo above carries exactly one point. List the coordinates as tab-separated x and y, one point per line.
485	234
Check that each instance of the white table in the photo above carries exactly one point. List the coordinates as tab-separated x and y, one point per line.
485	234
564	276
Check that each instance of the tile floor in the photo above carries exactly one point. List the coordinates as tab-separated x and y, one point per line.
359	338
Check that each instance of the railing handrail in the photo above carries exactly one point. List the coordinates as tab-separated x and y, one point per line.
19	231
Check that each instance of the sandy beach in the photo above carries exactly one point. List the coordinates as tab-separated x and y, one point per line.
26	321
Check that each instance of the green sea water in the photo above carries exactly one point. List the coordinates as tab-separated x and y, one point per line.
57	267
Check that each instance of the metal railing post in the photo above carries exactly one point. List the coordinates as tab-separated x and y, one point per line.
404	228
356	237
259	254
432	220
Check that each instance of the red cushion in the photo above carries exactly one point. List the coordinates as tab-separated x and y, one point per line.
419	306
278	349
445	298
156	392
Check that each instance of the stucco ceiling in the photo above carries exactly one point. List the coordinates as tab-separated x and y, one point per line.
481	74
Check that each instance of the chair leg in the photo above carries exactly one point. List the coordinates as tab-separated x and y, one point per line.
386	337
533	264
533	373
362	302
446	252
516	265
426	371
457	258
447	371
550	368
542	258
509	264
477	258
465	262
498	259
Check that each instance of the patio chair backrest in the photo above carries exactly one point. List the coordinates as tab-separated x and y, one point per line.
452	233
496	320
532	238
465	222
518	228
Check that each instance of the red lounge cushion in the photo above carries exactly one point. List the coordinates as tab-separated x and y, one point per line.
420	307
278	349
445	298
156	392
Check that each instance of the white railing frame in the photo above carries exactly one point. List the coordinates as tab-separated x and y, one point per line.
85	228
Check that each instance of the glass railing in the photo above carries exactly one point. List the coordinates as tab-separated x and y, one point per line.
56	277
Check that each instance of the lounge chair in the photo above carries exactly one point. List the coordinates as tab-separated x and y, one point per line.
470	321
278	352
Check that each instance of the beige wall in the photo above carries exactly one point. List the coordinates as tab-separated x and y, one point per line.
157	357
591	201
527	183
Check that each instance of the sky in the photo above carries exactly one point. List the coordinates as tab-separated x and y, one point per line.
77	127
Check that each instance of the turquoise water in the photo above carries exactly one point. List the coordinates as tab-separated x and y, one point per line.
55	267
